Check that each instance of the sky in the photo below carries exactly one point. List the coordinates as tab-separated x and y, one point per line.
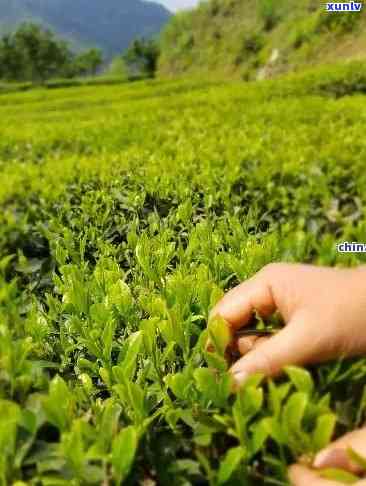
175	5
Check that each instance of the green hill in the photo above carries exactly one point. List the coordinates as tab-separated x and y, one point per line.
110	25
259	38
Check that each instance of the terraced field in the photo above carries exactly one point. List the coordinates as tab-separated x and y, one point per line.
126	212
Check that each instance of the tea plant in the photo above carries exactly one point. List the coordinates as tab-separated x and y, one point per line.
126	213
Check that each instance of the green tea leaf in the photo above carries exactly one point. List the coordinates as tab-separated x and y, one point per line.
107	339
277	394
72	446
123	452
300	378
323	432
188	466
214	388
108	424
219	333
149	327
10	416
250	399
247	404
100	314
58	404
294	411
133	397
132	347
261	431
230	463
356	458
339	475
119	295
179	383
216	362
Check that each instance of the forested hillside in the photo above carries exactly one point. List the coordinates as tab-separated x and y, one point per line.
110	25
259	38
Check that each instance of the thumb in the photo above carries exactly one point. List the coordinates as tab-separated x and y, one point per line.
302	476
336	455
289	346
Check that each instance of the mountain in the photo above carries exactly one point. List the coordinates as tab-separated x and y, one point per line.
253	39
108	24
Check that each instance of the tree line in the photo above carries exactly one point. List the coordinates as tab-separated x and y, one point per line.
32	53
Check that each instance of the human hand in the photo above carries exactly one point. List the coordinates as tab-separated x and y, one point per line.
333	456
324	310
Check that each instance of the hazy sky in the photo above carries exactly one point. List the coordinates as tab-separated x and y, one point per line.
178	4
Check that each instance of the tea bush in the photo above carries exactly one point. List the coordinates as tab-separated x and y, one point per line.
126	212
336	81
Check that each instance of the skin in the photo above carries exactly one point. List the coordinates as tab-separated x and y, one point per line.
324	311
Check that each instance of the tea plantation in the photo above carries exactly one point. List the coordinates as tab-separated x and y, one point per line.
126	212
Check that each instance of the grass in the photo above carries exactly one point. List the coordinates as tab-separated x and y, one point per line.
126	212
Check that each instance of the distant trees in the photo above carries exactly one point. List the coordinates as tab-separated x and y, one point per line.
32	53
141	57
88	62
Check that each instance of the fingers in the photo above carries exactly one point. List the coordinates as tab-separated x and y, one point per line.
271	354
336	454
303	476
247	343
238	305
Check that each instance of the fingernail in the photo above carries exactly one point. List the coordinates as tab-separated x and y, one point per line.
240	377
327	458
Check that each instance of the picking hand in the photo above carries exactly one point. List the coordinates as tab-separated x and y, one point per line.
334	456
324	310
